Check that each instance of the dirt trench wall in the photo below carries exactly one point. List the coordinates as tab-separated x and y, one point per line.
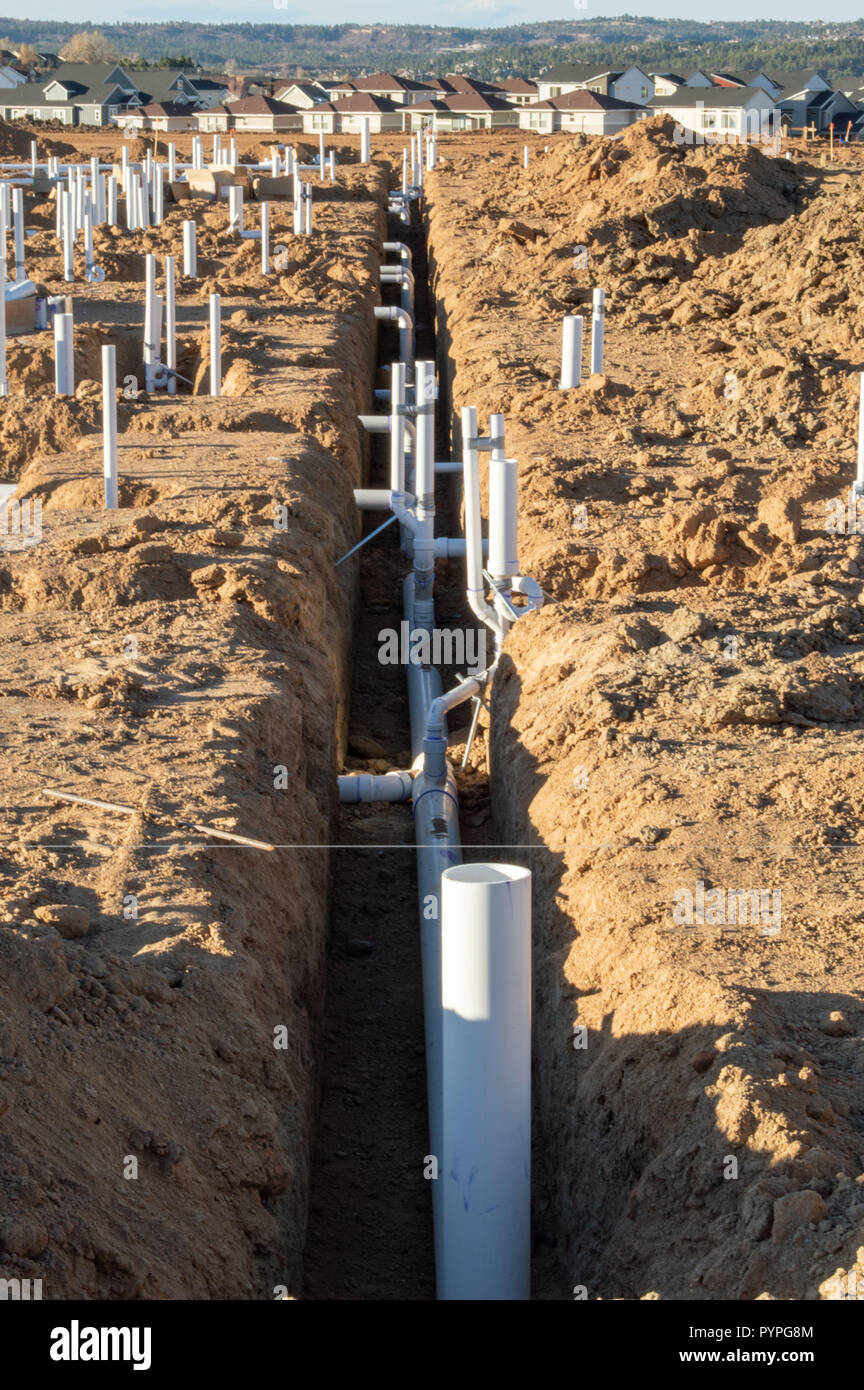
683	717
187	656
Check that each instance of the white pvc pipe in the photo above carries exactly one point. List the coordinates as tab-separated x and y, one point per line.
503	518
571	352
151	342
331	164
424	488
109	423
68	237
597	323
18	219
143	201
158	195
475	588
197	152
321	156
88	236
172	163
483	1246
170	325
265	238
859	483
397	428
190	256
215	345
112	200
308	219
365	141
525	156
235	210
64	358
34	157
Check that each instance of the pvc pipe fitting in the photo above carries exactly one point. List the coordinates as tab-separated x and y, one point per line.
364	787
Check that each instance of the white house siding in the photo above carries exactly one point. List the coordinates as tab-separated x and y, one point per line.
730	123
633	85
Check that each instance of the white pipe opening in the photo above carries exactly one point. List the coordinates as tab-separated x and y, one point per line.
484	1248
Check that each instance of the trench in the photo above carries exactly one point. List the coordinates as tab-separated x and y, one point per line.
370	1219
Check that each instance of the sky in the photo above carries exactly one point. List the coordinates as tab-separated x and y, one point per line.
466	12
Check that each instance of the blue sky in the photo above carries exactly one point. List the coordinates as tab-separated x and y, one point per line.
470	12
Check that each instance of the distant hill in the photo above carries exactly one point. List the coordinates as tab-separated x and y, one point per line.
523	48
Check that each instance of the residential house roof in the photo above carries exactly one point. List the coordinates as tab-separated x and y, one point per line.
363	101
583	100
388	82
517	86
466	102
577	72
255	106
710	96
727	79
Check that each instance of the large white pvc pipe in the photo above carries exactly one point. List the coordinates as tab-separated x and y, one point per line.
88	236
18	218
68	237
109	423
405	170
197	152
474	583
112	200
215	345
859	484
34	157
190	257
308	220
597	321
143	190
424	488
331	165
397	428
151	343
321	156
158	195
484	1249
170	325
265	238
571	352
365	141
503	518
525	156
64	358
172	163
235	210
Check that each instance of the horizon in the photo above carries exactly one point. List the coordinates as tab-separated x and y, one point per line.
469	14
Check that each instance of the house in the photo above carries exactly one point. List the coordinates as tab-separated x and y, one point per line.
628	84
403	91
465	111
582	112
212	91
48	60
764	80
251	113
10	77
158	115
633	86
349	113
727	79
76	94
665	83
699	79
570	77
807	99
705	114
518	90
303	95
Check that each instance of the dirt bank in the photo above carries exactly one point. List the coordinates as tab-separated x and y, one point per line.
683	717
186	656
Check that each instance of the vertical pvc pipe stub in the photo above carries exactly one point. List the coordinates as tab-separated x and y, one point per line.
483	1242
